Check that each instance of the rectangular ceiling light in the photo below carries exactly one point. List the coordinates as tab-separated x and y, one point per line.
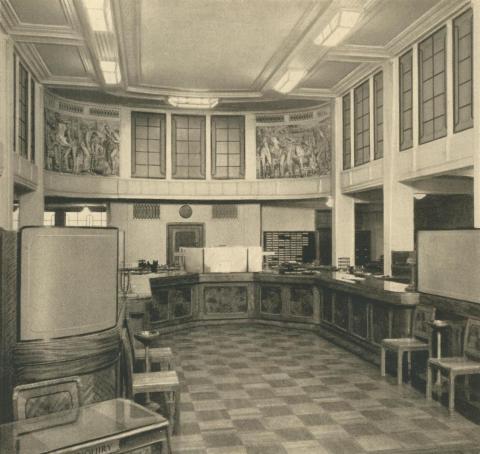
192	103
338	28
111	72
99	15
290	80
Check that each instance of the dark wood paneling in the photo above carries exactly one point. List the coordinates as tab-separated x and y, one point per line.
270	300
301	301
340	318
8	319
225	299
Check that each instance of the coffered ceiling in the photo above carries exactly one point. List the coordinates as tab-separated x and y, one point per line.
236	50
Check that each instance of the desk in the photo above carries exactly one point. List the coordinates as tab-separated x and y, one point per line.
111	426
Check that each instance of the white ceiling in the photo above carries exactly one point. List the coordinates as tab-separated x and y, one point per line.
234	49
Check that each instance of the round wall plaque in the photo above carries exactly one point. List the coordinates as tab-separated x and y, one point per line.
185	211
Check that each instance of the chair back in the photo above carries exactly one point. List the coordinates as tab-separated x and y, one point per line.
131	338
127	364
45	397
471	343
422	317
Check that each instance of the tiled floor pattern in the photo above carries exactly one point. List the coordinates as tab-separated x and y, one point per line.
265	390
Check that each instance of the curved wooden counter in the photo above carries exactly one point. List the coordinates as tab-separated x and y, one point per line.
356	314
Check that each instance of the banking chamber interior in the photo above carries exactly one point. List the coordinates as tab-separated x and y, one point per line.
239	227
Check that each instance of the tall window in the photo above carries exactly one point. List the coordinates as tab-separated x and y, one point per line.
188	146
463	71
148	145
432	87
347	141
23	113
32	119
406	95
228	147
362	123
378	114
14	102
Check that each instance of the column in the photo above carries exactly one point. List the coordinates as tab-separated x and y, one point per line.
343	209
398	213
125	142
6	129
476	112
32	203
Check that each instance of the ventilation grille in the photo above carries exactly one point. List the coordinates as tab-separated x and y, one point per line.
270	118
301	116
99	112
67	107
146	211
224	211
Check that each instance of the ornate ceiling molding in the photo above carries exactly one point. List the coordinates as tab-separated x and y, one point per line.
296	38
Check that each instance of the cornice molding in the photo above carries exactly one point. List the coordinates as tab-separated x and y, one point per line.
69	81
8	16
424	24
320	93
167	91
352	79
30	55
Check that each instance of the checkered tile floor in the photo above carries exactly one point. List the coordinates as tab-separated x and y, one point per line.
255	389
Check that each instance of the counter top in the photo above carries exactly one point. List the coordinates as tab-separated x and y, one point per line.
388	291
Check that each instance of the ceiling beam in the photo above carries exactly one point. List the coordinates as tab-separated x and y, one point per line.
358	54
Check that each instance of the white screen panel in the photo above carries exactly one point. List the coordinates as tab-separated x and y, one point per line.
449	263
68	281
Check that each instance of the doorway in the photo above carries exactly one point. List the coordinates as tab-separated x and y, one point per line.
183	235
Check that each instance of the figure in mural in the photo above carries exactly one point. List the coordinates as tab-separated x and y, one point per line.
296	150
81	145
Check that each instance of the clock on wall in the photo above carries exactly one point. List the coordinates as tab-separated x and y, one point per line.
185	211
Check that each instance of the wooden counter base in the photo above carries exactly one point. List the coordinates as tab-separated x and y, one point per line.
356	316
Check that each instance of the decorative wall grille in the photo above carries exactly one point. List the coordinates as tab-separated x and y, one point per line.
146	211
224	211
301	116
68	107
100	112
270	118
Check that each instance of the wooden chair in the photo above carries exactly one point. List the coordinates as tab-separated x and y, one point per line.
46	397
162	356
165	382
466	365
420	341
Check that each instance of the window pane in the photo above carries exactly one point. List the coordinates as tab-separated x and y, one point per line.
141	132
222	134
222	147
234	148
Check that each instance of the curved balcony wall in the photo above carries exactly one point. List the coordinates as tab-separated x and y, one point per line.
88	154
